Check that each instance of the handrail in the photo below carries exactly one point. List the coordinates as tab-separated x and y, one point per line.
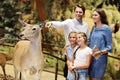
57	57
48	53
114	57
45	52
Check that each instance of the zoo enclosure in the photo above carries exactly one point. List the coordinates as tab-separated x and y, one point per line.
58	57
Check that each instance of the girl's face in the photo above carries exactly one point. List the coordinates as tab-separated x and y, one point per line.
78	13
72	38
80	39
96	17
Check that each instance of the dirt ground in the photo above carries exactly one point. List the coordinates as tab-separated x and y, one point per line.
45	75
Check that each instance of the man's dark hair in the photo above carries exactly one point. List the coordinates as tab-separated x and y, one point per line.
80	6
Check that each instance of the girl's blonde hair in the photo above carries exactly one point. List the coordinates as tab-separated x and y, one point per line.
84	36
73	32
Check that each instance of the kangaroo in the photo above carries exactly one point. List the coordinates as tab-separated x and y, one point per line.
28	57
3	59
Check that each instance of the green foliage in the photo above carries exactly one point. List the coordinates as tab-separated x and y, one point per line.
116	16
9	14
112	14
110	7
67	13
112	71
51	63
48	5
52	36
6	49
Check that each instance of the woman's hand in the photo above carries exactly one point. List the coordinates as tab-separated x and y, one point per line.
96	54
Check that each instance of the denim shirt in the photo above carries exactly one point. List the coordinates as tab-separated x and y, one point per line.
70	51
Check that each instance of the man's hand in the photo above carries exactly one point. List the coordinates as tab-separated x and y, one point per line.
48	24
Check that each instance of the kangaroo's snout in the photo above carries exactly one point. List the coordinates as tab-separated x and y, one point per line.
42	25
21	35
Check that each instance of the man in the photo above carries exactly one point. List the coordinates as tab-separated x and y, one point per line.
76	24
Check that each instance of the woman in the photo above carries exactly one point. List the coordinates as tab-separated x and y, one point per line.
101	36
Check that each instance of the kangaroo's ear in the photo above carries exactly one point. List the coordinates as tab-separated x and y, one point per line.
22	22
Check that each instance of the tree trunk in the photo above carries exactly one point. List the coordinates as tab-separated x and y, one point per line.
40	10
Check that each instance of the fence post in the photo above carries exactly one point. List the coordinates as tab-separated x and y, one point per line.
56	71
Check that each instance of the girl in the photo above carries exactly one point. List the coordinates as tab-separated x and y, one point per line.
69	52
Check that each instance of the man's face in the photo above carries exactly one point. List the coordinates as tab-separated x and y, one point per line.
78	13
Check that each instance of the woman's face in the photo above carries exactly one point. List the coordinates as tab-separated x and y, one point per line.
72	38
80	39
78	13
96	17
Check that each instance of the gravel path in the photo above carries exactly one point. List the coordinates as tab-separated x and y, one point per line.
45	75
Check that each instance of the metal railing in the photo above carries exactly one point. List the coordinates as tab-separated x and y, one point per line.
57	58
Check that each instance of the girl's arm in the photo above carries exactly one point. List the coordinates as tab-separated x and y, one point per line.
65	48
71	63
68	61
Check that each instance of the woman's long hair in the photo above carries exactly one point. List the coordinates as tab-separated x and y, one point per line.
103	15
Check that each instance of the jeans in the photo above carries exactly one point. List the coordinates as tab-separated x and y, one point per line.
70	75
82	74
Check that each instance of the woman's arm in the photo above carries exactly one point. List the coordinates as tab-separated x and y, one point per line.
108	41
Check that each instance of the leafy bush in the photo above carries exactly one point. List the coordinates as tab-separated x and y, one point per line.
9	13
